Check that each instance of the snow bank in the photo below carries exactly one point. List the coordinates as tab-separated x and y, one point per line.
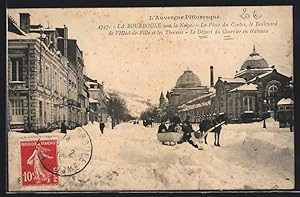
129	157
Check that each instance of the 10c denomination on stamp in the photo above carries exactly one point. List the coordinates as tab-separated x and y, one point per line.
35	154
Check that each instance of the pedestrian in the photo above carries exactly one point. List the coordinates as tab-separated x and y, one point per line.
291	124
102	125
63	127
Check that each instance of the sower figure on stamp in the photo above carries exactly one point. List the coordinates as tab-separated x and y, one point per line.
40	173
102	125
63	127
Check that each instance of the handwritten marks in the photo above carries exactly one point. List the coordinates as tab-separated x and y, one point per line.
255	14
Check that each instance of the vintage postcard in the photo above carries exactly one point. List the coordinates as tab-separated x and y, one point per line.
150	98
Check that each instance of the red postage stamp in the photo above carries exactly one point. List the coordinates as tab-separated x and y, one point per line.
39	162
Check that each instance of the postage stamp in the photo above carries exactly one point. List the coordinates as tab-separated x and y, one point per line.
35	155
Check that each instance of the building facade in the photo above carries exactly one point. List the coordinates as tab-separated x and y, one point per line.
98	100
42	87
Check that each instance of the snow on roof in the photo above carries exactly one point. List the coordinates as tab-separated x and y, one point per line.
285	101
93	100
90	82
245	87
29	36
39	29
233	80
252	69
200	97
261	76
256	56
15	25
212	89
195	106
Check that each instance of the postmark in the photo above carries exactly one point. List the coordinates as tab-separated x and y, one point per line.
74	152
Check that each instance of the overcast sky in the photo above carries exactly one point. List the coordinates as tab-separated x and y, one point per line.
147	65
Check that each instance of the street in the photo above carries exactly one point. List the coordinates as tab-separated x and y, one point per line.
130	158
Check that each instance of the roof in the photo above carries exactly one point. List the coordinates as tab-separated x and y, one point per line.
253	70
195	106
91	83
264	75
12	22
188	79
29	36
233	80
245	87
200	97
261	76
93	100
254	60
285	101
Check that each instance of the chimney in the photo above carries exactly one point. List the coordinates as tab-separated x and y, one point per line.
65	41
25	22
211	76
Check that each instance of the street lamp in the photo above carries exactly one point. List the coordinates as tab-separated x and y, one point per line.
264	115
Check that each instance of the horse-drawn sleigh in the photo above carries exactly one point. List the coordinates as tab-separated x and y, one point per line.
184	132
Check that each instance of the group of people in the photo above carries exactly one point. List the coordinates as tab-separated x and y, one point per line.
176	125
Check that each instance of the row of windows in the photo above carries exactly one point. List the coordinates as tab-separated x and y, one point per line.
45	77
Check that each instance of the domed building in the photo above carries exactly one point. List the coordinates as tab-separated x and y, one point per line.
188	86
188	79
255	61
253	91
253	66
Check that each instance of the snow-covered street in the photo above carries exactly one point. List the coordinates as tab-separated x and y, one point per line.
130	158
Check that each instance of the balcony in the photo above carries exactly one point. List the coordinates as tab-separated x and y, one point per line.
17	85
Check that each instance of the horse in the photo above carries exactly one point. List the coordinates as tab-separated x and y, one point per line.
206	124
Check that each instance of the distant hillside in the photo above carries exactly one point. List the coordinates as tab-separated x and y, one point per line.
135	103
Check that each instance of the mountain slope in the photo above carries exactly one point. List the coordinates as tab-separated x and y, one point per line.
135	103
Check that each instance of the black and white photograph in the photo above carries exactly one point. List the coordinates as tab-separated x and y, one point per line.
150	99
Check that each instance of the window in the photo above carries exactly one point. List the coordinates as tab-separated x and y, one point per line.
41	72
47	77
41	110
281	108
272	91
249	103
230	106
17	107
17	74
272	94
288	108
55	81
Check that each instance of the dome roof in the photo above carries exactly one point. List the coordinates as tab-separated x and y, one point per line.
188	79
255	61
